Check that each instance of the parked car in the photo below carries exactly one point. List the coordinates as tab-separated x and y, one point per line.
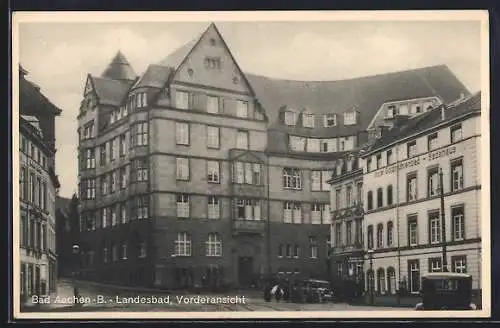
446	291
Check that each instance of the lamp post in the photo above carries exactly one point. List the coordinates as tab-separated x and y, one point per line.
371	276
76	257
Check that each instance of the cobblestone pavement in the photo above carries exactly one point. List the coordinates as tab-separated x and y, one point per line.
105	299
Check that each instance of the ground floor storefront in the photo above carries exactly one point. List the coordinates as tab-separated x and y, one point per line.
34	278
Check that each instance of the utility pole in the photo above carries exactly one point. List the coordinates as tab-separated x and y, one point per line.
443	222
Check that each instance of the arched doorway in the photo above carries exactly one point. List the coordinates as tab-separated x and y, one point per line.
381	281
391	281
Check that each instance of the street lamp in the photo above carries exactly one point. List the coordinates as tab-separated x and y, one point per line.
76	253
371	276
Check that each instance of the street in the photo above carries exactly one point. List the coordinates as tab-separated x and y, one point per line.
96	298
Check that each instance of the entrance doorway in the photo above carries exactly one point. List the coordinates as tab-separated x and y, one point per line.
245	271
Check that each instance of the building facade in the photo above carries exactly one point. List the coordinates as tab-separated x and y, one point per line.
195	173
404	226
38	187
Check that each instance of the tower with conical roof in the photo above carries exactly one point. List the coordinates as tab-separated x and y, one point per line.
119	69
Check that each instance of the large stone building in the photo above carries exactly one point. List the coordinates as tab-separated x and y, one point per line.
197	173
403	224
38	187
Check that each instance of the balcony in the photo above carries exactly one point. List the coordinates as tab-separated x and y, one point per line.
351	248
248	227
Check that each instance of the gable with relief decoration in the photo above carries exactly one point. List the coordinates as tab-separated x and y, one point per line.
210	63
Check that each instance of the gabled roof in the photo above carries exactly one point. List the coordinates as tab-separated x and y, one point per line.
119	69
156	76
428	120
32	100
367	94
177	57
110	92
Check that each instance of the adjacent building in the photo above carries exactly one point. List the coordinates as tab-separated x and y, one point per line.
38	187
196	173
403	221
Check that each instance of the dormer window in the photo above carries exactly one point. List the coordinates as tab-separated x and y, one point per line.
308	120
330	120
391	111
290	118
349	118
297	143
403	109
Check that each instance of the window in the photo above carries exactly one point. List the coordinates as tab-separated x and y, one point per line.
390	158
390	232
104	217
458	222
389	195
242	109
326	214
123	145
143	249
330	120
325	176
123	177
312	145
288	252
182	133
103	154
214	245
457	175
114	144
213	207
213	137
142	207
379	161
248	209
88	130
123	213
348	233
316	213
433	182
359	197
89	188
113	181
316	180
313	247
297	143
292	178
411	187
23	183
183	244
239	172
290	118
370	200
141	169
183	206
182	100
139	134
432	141
212	104
369	237
412	149
435	264
292	212
348	196
212	63
90	158
369	165
242	140
296	251
380	197
338	198
412	230
287	212
256	174
124	251
456	133
380	235
308	120
459	264
104	184
414	276
281	250
182	164
349	118
32	188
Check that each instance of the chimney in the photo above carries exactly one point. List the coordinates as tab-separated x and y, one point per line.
443	114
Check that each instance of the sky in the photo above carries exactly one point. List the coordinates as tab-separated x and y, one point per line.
58	56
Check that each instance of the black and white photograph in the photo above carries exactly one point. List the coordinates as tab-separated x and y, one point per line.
251	164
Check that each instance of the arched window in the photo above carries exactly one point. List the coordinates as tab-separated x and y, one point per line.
390	231
214	245
381	281
380	235
391	281
183	244
370	200
370	237
380	197
370	281
389	195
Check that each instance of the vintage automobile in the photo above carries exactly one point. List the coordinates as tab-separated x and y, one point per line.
446	291
317	291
